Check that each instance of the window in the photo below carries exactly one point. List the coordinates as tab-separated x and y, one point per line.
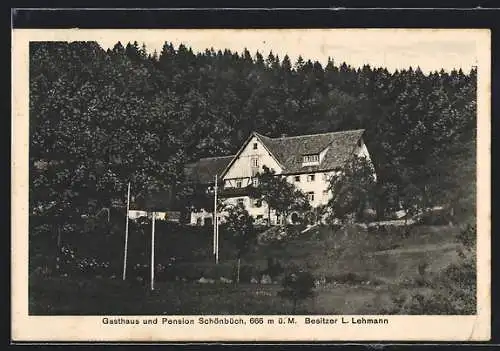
255	146
311	158
297	178
255	182
241	202
255	162
310	178
325	192
325	177
257	203
238	184
310	196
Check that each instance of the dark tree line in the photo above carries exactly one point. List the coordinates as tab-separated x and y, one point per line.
100	118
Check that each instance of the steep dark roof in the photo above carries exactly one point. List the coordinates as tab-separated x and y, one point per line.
290	150
204	170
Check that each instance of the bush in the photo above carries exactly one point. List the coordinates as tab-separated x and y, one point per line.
274	267
68	262
280	233
419	304
297	286
348	278
436	217
453	289
368	215
467	237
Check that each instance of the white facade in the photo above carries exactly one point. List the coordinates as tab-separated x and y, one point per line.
159	216
249	161
135	214
241	173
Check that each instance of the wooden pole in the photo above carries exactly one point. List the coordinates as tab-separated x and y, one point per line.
153	251
59	237
217	241
238	271
125	250
215	217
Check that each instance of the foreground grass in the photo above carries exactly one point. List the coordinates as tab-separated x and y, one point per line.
363	272
118	298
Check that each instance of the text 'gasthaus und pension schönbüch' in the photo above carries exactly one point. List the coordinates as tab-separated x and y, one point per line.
243	320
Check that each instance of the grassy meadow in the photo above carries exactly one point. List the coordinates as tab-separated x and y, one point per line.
358	272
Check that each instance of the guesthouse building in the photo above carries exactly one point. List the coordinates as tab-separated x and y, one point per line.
307	161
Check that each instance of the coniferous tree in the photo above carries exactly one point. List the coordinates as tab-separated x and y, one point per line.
121	114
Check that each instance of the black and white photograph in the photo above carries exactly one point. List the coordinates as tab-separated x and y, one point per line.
197	175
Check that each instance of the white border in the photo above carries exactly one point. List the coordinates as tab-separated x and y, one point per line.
90	328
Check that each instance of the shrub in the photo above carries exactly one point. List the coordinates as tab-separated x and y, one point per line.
437	303
348	278
436	217
274	267
68	262
281	233
453	289
368	215
297	286
467	237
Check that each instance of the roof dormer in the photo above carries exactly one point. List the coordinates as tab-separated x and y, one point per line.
310	160
314	159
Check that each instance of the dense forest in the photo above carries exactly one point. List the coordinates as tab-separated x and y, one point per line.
101	118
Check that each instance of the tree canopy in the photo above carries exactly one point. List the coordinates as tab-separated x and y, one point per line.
101	118
352	189
279	194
